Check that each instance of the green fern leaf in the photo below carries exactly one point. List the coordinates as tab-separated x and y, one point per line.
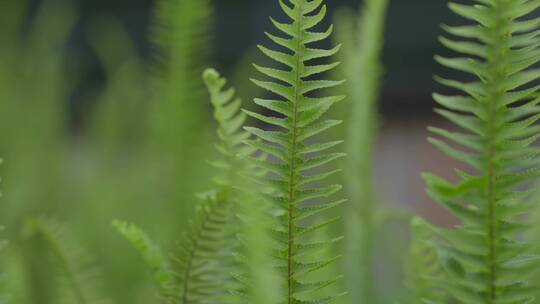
204	264
151	253
487	260
202	271
81	277
230	119
294	85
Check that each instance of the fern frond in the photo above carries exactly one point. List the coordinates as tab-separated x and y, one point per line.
362	67
424	271
150	252
180	34
296	161
230	119
180	37
259	277
76	266
489	260
202	270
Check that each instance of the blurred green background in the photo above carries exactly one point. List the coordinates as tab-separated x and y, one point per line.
87	136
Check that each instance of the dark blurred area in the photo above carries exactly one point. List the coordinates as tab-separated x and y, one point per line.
411	42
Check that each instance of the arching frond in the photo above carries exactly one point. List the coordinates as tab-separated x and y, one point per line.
150	252
488	259
80	275
296	166
231	137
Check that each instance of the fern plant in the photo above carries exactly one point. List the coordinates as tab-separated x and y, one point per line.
296	163
79	281
202	271
487	258
364	34
180	37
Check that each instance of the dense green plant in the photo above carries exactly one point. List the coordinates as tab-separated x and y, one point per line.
363	38
485	258
296	164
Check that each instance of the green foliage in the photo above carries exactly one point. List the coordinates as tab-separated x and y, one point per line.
260	282
80	280
4	297
180	37
111	127
32	54
363	38
204	265
202	270
150	252
231	136
423	268
179	33
488	260
295	166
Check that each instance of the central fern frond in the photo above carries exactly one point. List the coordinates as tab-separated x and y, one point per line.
296	164
488	259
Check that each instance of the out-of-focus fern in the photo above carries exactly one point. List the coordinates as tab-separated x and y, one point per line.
80	280
488	259
296	162
113	127
361	57
423	268
179	34
33	52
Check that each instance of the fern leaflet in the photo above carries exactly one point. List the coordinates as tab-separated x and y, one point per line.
294	172
488	260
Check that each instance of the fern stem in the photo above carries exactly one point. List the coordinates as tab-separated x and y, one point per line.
496	95
292	173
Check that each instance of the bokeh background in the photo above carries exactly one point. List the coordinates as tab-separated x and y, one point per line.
78	144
